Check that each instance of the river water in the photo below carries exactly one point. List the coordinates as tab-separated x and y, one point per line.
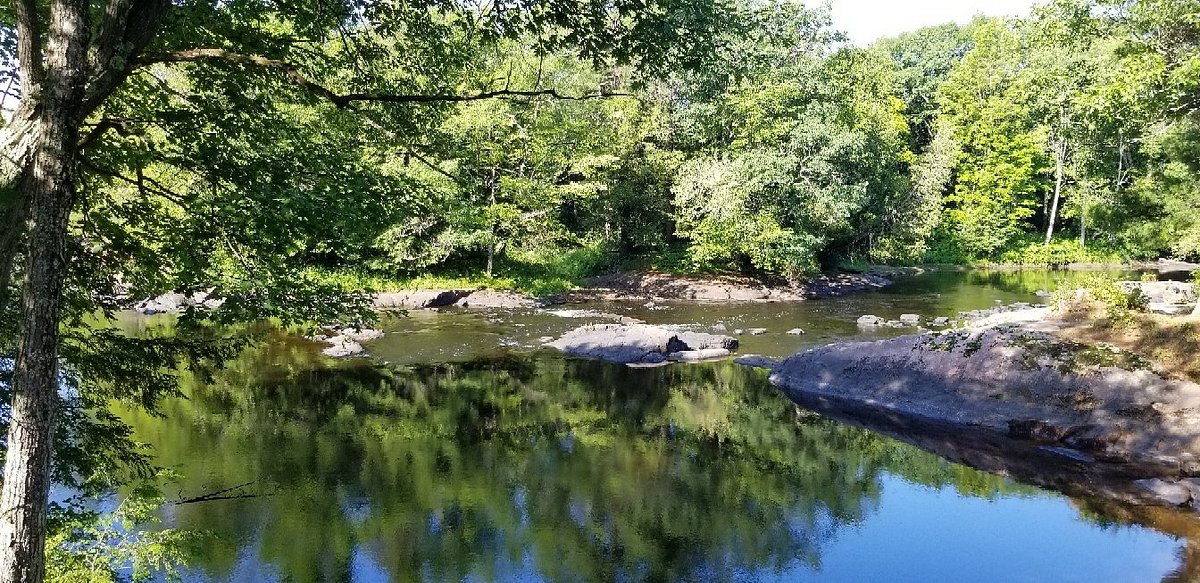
460	453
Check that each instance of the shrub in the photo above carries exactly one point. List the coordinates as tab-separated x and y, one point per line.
1099	295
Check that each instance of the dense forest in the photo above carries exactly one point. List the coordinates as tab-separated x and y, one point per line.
280	154
1071	135
773	146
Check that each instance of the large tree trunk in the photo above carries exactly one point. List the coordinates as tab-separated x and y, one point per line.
49	186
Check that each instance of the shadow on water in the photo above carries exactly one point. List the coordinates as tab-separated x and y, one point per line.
520	468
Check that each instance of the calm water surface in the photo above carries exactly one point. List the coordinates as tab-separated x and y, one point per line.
470	458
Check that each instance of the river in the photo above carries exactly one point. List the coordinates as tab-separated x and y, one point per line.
459	452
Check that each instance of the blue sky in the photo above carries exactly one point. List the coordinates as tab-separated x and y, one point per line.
868	20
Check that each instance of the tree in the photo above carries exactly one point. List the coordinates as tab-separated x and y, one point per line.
924	59
799	151
987	102
70	70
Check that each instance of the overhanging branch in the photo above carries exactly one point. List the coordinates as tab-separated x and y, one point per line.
293	73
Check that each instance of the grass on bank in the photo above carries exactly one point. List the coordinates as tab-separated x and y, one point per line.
1106	314
1171	342
1029	251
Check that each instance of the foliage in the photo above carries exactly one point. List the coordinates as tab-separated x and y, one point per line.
984	102
1033	251
1099	293
801	154
127	544
320	151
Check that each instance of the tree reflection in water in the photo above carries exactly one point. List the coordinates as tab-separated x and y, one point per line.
569	469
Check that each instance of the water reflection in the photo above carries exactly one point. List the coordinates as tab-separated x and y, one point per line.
552	469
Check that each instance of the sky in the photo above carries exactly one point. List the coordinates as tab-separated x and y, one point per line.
868	20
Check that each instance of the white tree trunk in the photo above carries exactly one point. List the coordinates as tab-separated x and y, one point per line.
1059	154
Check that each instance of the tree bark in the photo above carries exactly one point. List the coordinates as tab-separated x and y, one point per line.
10	243
50	187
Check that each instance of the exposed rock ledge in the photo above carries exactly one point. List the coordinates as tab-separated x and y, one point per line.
1012	379
642	344
463	298
641	286
653	285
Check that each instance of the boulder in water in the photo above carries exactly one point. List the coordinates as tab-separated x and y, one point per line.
641	343
869	321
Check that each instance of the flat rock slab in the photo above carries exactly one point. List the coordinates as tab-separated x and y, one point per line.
463	298
1014	381
486	298
341	347
642	344
420	298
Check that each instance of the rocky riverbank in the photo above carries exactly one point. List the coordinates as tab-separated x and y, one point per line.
658	286
622	286
643	286
1009	379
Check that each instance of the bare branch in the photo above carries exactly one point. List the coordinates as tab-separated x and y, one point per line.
501	93
232	493
140	182
293	73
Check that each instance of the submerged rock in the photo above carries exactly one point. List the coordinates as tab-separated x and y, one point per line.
756	361
641	343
